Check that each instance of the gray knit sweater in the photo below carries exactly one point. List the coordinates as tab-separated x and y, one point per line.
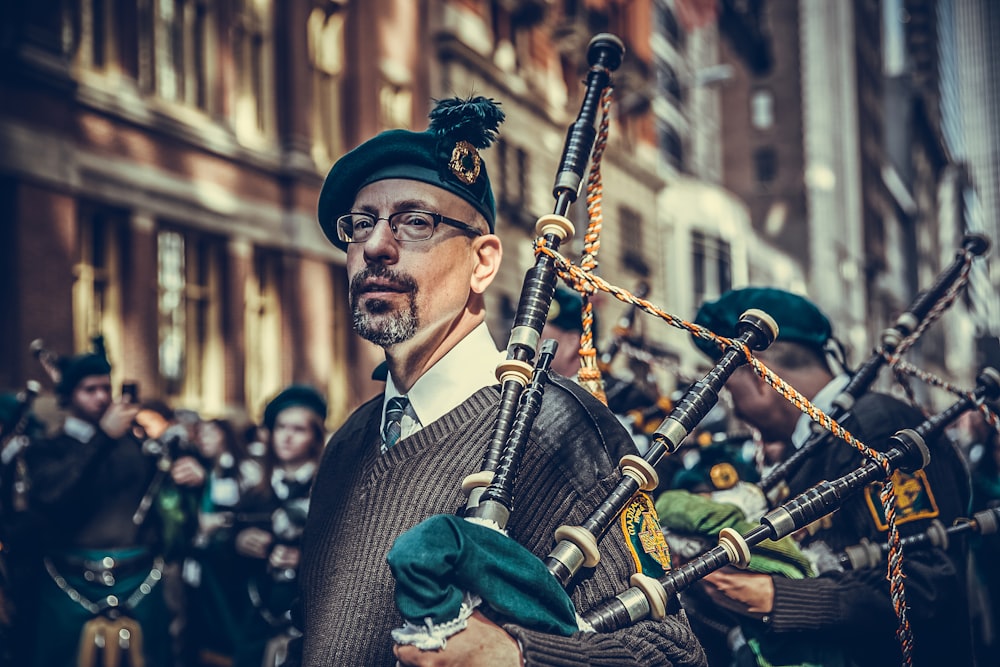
362	500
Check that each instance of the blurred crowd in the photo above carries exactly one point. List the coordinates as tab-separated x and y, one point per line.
132	529
135	534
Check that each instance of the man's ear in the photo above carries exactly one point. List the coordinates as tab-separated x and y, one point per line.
487	253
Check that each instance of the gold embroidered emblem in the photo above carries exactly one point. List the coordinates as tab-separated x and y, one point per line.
465	162
914	499
723	476
642	532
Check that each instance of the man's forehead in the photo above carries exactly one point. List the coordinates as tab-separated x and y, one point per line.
399	193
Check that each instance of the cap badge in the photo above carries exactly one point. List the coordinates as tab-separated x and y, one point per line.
724	476
465	162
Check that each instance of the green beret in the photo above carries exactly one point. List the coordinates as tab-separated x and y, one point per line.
74	369
566	309
296	395
799	321
446	156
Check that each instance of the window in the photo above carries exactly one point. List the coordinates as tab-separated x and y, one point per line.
97	277
325	33
189	276
252	45
263	329
762	109
894	18
633	252
765	162
171	280
666	24
514	194
395	105
711	265
92	50
671	147
181	35
667	81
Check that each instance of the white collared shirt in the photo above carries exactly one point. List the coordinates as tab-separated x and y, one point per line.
461	372
824	401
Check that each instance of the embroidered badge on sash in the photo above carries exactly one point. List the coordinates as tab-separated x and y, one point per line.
641	528
914	499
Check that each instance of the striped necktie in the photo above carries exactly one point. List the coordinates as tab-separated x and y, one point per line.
393	428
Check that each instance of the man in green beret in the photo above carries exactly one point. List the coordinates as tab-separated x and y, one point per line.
415	213
852	609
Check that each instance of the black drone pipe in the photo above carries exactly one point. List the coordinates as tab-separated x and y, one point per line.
604	55
497	501
577	545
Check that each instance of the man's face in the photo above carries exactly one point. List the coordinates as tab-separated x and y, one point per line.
402	290
756	404
91	397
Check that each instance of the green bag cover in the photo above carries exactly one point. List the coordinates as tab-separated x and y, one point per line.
685	512
439	560
689	513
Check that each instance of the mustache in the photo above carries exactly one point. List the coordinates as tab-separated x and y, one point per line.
380	277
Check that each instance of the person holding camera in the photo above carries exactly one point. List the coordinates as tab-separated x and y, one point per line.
95	495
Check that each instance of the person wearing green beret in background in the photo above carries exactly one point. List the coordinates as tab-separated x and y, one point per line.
415	213
851	609
100	527
270	520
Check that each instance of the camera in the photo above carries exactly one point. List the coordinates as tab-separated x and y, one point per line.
130	392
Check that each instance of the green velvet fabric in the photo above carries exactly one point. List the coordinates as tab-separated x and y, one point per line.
688	513
443	557
685	512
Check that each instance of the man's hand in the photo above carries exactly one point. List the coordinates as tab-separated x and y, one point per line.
118	418
186	471
284	557
253	542
747	594
482	644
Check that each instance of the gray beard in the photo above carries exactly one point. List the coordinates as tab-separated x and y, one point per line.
377	323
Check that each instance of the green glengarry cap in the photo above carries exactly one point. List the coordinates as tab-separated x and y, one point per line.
446	155
799	320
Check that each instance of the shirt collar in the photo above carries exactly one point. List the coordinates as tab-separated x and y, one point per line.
824	401
461	372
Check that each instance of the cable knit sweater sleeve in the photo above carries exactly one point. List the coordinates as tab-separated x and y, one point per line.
362	500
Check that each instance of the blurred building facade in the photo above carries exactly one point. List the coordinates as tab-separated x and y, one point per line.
160	162
840	153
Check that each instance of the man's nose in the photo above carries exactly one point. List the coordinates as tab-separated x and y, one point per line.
381	245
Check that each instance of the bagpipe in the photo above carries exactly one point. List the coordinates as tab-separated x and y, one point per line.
908	453
489	491
14	429
14	441
894	341
871	554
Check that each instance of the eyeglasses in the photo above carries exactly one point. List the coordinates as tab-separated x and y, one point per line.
405	226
